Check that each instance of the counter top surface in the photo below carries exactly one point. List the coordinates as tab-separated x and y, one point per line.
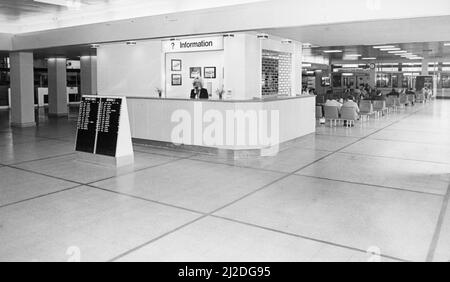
271	99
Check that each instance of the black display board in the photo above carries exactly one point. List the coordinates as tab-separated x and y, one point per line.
424	81
108	126
87	125
98	125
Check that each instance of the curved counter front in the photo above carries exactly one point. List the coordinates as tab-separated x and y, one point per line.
255	126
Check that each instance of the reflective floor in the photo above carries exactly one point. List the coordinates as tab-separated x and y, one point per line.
343	194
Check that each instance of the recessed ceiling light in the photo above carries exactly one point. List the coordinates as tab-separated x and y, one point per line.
384	47
262	36
332	51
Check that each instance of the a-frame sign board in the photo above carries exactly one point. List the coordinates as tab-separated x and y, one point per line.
103	131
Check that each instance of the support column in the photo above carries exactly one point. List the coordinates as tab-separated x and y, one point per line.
88	75
296	74
22	89
373	77
425	68
57	87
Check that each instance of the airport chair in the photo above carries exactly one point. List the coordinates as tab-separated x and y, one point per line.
404	100
380	107
390	104
349	115
397	103
411	98
332	114
366	109
421	98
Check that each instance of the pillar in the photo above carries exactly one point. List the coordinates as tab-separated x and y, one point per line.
296	74
88	75
425	68
22	89
373	77
57	87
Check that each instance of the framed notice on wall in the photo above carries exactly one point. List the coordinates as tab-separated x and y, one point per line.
177	80
209	72
176	65
195	72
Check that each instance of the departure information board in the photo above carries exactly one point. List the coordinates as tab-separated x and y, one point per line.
87	125
98	125
108	126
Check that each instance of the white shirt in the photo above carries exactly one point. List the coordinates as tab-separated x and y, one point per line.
333	103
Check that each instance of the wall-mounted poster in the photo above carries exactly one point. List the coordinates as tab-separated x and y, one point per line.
195	72
209	72
176	65
177	80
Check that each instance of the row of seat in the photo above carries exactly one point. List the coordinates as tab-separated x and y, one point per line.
368	108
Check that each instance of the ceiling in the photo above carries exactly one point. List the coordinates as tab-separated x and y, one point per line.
16	9
429	50
360	37
19	16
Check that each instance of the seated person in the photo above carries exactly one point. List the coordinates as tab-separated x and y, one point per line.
393	93
410	92
199	92
380	97
305	91
333	103
350	103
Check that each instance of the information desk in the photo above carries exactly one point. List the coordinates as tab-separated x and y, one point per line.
161	122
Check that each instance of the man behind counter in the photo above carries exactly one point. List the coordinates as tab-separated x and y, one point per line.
199	92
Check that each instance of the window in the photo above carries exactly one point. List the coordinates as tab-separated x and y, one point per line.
384	80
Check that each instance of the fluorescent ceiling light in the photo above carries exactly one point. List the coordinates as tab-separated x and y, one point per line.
447	44
350	66
65	3
332	51
347	74
398	52
373	58
391	49
384	47
306	65
353	55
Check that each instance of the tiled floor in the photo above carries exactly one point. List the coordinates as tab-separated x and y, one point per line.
331	196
